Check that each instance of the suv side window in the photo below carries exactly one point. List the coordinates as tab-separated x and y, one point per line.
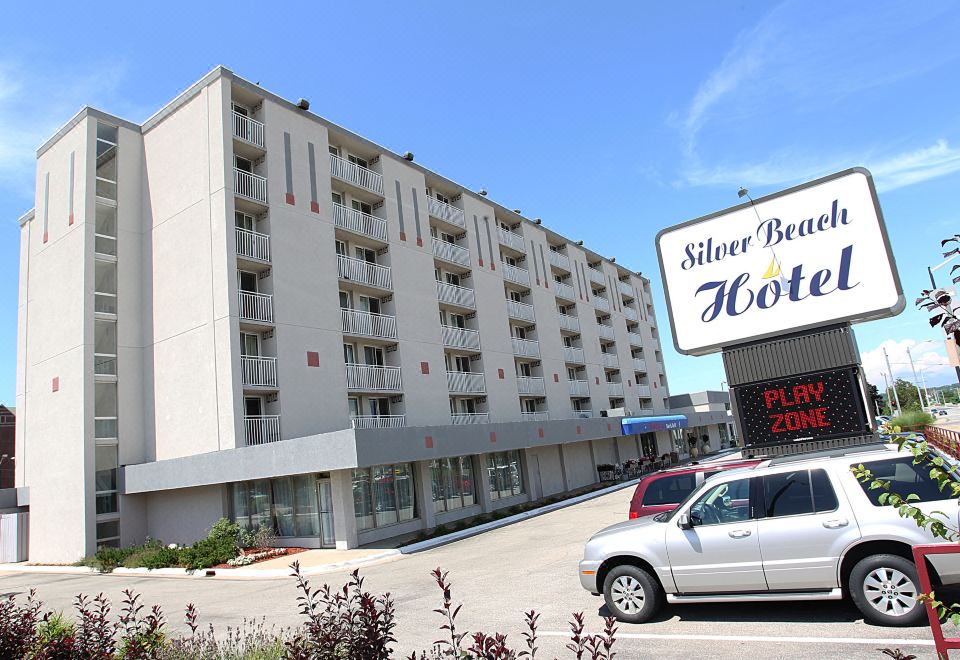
905	479
669	490
797	493
724	503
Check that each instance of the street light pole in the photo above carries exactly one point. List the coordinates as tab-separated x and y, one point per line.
914	370
896	396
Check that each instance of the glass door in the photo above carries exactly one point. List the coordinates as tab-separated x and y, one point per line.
326	513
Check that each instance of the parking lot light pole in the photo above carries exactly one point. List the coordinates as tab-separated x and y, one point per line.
893	381
916	382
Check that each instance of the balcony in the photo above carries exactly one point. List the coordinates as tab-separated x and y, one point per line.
573	354
359	222
601	303
564	290
579	388
605	331
639	364
510	239
571	323
655	344
610	360
615	389
446	212
526	347
261	429
559	260
634	339
515	274
373	378
538	416
256	307
368	324
642	411
343	169
643	391
250	185
364	272
377	421
530	385
466	382
253	245
454	337
451	252
248	129
596	275
584	413
451	294
469	418
519	310
631	313
258	371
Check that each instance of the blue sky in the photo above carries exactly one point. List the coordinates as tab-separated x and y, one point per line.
608	124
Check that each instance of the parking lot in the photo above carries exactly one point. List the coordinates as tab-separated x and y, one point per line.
499	575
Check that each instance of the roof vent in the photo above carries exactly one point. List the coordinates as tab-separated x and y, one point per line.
483	192
517	211
579	242
537	221
408	156
303	104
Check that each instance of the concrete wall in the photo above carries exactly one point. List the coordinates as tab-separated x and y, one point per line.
183	516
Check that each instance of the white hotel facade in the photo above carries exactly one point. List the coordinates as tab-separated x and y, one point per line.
241	309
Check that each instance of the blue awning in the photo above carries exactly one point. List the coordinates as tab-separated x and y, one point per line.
631	425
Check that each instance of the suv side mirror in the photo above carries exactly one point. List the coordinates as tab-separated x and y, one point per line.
684	522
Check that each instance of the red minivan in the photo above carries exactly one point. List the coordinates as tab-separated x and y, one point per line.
664	490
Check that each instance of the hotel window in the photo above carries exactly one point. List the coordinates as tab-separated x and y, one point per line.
357	160
384	495
106	479
106	174
287	505
452	483
504	474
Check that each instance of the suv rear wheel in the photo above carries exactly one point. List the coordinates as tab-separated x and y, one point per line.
632	594
885	588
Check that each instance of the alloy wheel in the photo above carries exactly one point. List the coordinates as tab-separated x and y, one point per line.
890	592
627	594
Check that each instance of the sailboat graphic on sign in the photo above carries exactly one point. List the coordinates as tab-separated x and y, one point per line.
773	270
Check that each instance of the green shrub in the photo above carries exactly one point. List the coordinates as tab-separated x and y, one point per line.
153	556
911	418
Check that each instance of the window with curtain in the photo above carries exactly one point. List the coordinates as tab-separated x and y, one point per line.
384	495
452	483
504	473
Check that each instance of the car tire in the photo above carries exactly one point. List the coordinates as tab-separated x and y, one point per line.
632	595
885	588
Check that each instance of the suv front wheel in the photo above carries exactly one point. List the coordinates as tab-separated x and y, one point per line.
885	588
632	595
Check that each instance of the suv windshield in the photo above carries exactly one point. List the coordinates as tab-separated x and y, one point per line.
905	479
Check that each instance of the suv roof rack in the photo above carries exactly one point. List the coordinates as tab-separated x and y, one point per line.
835	452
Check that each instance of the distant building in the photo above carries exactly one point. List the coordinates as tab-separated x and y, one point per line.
709	420
7	433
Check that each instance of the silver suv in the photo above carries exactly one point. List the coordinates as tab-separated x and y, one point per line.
793	528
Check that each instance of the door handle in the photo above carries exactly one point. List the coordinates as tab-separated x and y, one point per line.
836	524
739	533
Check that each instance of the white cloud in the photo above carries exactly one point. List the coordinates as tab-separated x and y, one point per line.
927	356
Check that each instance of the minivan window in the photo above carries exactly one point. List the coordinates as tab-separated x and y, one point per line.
797	493
905	479
669	490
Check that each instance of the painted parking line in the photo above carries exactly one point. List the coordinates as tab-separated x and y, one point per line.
758	638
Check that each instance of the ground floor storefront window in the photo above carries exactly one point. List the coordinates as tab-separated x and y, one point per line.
505	475
452	484
724	439
288	505
384	495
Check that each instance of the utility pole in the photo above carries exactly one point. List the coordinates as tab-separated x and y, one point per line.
924	381
896	396
915	381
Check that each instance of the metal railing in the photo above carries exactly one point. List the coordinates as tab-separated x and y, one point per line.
250	185
625	288
596	275
466	382
253	245
373	378
526	347
519	310
643	391
456	295
261	429
451	252
634	339
639	364
573	354
515	274
510	239
601	303
258	371
359	222
642	411
615	389
359	176
605	331
364	272
256	307
469	418
579	388
446	212
564	290
609	360
248	129
584	413
455	337
531	385
368	324
631	313
377	421
538	416
559	260
571	323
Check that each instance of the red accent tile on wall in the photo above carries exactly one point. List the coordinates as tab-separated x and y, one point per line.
537	279
546	283
70	219
291	199
493	436
500	374
428	441
481	262
598	380
315	206
493	266
45	237
578	429
313	359
654	385
556	378
419	242
629	383
609	427
403	236
56	383
425	368
540	432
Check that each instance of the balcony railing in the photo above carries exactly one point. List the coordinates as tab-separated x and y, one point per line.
452	294
635	339
643	391
469	418
631	313
655	344
596	275
526	347
538	416
451	252
564	290
559	260
610	360
571	323
364	272
465	382
615	389
531	385
601	303
641	411
253	245
248	129
361	177
256	307
584	413
625	289
519	310
573	354
359	222
579	388
446	212
605	331
258	371
510	239
261	429
377	421
250	185
368	324
639	364
373	378
455	337
515	274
